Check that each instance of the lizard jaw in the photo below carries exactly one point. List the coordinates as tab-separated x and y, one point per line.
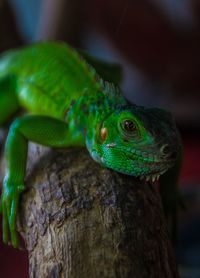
153	177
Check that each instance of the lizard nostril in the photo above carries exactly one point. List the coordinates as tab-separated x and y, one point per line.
165	150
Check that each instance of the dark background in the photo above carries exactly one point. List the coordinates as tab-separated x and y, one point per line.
158	44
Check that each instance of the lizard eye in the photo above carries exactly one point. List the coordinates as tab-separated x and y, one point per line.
129	126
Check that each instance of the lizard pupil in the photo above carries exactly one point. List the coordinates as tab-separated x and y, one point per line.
129	125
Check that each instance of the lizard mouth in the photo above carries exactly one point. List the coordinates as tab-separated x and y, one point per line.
145	166
156	166
152	177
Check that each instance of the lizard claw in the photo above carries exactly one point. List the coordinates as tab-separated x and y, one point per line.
9	204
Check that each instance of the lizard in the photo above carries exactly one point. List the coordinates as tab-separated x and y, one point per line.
72	100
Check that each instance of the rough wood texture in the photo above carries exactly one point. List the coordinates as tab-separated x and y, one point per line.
81	220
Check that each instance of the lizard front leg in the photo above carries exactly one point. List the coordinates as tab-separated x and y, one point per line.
8	100
40	129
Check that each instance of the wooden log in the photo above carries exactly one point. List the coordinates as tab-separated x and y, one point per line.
81	220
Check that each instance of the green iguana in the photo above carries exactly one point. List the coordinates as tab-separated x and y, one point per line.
70	104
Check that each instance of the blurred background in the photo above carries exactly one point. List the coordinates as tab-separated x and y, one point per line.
158	44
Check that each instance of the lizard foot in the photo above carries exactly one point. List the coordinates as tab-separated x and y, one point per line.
9	206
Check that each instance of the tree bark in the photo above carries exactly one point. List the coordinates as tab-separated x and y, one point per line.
81	220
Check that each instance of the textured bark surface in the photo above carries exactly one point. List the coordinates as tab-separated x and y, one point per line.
81	220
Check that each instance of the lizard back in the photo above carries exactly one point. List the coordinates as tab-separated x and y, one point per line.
49	76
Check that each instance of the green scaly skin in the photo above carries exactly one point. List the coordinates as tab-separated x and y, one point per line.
70	105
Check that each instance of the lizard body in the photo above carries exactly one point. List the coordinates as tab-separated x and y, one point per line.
69	104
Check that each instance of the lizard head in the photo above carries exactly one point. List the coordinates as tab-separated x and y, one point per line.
143	142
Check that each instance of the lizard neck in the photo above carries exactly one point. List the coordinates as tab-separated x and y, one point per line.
91	112
88	112
92	109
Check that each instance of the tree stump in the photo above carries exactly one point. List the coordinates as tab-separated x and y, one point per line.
81	220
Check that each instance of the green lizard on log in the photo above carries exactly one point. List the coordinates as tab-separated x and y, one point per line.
73	99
